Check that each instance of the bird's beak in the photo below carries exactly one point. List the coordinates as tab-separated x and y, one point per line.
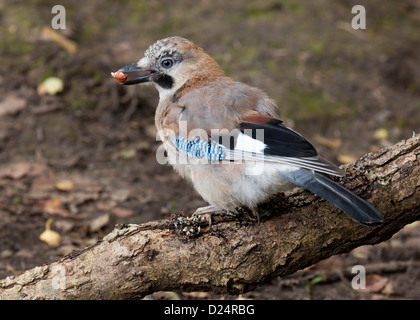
141	79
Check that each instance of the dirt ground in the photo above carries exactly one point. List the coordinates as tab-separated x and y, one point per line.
86	156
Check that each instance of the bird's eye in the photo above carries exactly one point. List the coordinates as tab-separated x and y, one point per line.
167	63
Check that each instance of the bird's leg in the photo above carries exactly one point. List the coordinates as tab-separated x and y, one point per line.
206	212
255	213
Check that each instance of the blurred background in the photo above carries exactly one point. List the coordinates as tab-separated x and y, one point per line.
77	150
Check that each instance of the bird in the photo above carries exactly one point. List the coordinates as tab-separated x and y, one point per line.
224	136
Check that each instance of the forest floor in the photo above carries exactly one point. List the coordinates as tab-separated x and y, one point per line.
86	156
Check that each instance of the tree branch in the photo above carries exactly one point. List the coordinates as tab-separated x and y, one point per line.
135	260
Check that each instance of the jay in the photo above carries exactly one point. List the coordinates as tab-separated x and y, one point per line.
224	136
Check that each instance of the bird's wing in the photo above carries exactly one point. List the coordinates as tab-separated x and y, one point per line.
268	139
254	138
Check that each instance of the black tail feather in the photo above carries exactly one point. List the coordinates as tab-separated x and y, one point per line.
357	208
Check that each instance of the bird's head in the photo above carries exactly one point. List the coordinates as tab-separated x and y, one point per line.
172	63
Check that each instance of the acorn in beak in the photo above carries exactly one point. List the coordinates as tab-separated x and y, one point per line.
121	77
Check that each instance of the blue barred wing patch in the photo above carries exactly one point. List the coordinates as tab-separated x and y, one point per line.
199	148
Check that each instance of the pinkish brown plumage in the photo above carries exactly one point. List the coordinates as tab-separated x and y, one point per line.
224	135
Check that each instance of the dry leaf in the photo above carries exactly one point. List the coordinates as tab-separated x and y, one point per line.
11	104
9	268
330	143
122	212
374	148
197	295
69	45
49	236
42	183
51	86
64	185
362	252
389	289
99	222
15	171
78	198
120	195
21	169
128	154
332	263
241	297
375	283
381	134
346	158
54	206
6	254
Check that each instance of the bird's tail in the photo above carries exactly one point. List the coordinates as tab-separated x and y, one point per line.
357	208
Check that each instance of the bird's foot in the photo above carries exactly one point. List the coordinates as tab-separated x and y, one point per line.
255	213
248	214
187	227
205	213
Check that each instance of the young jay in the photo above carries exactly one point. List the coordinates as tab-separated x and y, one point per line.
224	136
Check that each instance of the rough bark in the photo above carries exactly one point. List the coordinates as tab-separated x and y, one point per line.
297	230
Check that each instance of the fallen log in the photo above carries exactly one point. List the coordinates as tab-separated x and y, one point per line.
234	255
